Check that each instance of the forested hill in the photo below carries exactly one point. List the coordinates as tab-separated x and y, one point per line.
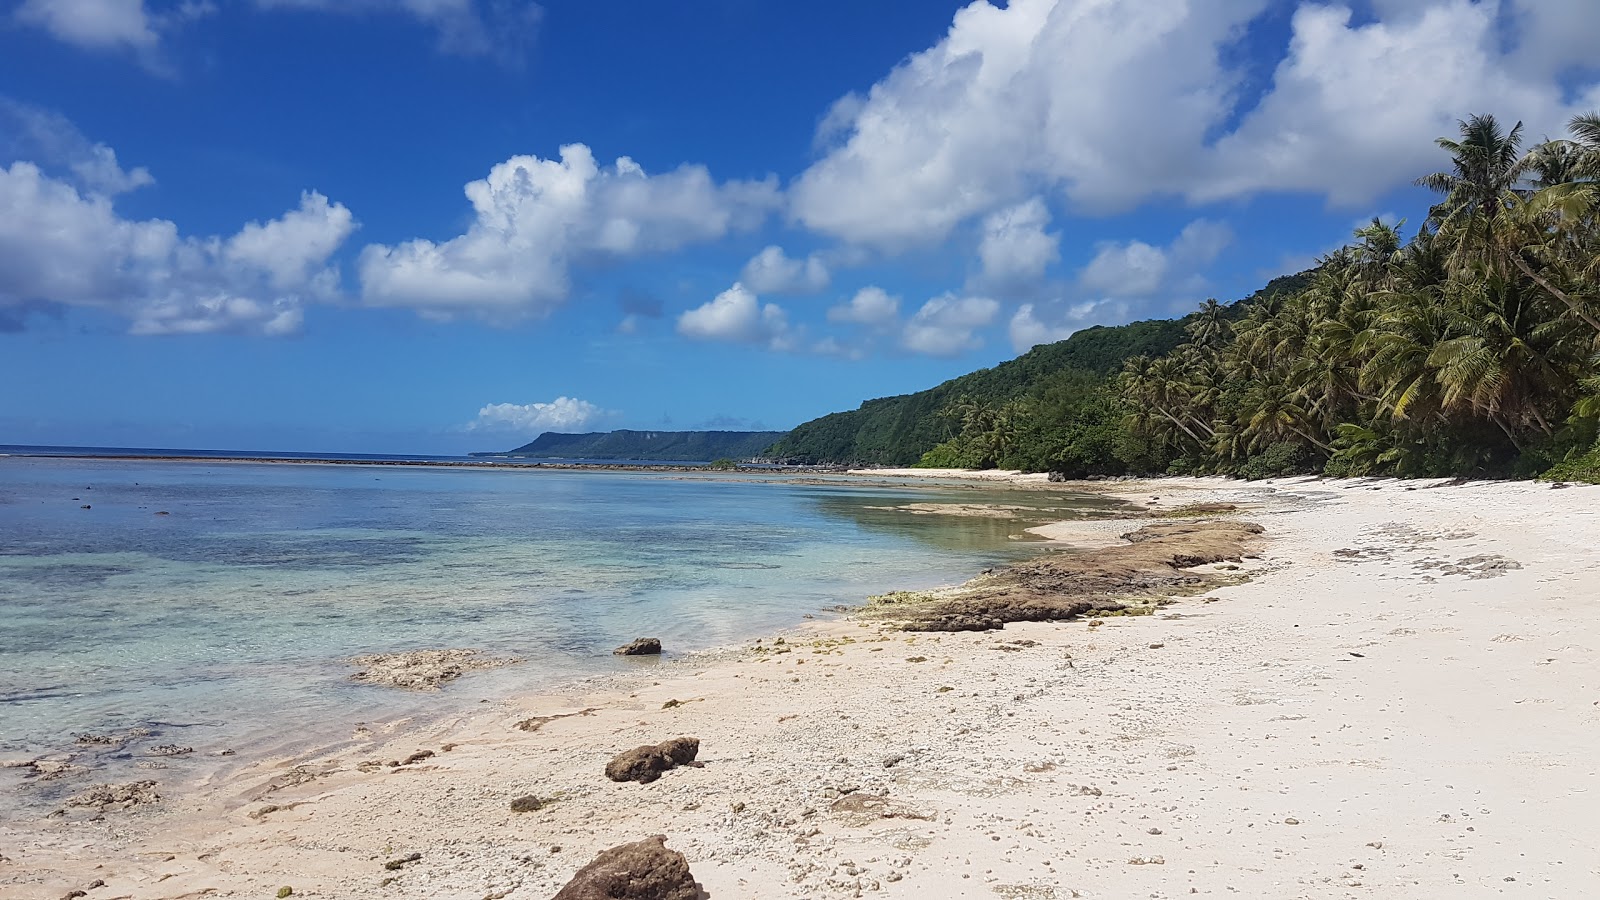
660	446
897	431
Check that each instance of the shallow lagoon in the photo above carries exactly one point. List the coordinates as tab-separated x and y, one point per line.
216	603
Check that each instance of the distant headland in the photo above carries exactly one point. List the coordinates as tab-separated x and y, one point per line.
665	446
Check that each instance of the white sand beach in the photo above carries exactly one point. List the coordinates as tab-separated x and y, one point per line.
1402	701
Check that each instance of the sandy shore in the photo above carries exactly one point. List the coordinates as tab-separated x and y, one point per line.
1403	700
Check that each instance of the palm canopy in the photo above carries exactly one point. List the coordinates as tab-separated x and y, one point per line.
1487	164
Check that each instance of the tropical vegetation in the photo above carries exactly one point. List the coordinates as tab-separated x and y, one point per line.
1467	348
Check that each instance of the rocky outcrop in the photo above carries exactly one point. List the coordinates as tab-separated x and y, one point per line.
645	764
1155	561
644	870
422	670
640	647
116	796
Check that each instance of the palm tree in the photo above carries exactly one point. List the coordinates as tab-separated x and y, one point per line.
1210	326
1487	168
1508	360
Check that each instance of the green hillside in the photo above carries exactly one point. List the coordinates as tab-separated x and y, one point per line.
661	446
897	431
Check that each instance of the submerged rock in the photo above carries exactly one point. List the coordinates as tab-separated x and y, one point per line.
645	764
644	870
640	647
422	670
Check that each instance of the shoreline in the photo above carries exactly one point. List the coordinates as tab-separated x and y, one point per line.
979	764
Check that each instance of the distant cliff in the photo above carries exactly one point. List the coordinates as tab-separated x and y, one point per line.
663	446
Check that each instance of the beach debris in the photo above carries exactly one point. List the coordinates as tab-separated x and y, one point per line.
537	722
422	670
527	803
645	646
861	809
116	796
169	750
643	870
269	809
395	865
285	891
645	764
416	757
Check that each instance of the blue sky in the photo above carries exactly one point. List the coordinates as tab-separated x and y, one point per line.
449	225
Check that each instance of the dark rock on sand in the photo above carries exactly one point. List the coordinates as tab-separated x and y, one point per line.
527	803
645	764
645	870
640	647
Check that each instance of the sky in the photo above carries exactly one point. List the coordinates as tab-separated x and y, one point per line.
440	226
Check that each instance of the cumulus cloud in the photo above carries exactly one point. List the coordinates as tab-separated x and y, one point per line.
562	414
871	306
1112	103
1015	248
1355	108
1031	325
947	325
62	246
1137	269
535	218
736	315
772	272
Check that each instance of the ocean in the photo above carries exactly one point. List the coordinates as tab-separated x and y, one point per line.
215	604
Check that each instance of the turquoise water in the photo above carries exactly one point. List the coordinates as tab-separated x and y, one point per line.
231	615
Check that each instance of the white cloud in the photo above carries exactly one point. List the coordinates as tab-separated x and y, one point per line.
502	29
93	24
1113	103
1039	92
871	306
61	246
1554	35
49	139
535	218
562	414
1015	248
737	315
1354	110
1029	328
946	325
771	272
1137	269
292	248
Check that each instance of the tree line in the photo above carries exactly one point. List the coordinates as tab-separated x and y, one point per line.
1469	348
